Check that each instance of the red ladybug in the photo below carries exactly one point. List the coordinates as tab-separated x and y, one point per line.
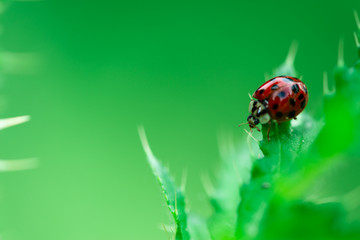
280	99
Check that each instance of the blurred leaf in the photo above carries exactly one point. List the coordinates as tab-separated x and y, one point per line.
340	106
9	122
287	67
17	165
342	112
197	228
173	195
286	143
273	201
285	146
20	63
305	220
234	171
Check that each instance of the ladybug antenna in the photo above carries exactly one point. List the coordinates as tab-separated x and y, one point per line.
243	124
250	96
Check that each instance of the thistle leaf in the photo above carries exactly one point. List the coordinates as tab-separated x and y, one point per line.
173	195
336	109
234	171
287	142
318	221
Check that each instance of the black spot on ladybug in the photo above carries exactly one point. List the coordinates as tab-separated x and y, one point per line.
255	106
301	97
305	89
281	94
275	106
291	114
295	88
274	87
292	102
302	104
253	109
261	91
279	114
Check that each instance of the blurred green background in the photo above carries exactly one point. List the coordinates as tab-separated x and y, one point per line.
183	69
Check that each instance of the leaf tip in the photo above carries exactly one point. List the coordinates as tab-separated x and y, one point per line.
357	21
9	122
207	184
146	146
287	68
183	180
266	76
326	90
292	53
340	61
356	40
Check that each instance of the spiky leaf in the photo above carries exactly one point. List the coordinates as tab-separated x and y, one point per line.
173	195
286	144
234	172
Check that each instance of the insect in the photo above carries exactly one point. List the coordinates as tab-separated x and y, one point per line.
280	99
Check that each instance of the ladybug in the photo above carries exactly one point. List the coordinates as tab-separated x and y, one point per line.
280	99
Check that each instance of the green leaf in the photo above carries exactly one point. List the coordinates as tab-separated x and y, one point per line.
233	173
197	228
305	220
173	195
287	142
333	138
342	108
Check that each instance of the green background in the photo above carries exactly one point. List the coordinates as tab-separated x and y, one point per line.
183	69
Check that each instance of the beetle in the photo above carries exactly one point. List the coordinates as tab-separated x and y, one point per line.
279	99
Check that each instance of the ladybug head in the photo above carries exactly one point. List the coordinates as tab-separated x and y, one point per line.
253	121
258	113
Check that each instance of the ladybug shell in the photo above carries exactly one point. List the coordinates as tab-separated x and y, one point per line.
287	97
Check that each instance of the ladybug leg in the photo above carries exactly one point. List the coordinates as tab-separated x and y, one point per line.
268	131
251	129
